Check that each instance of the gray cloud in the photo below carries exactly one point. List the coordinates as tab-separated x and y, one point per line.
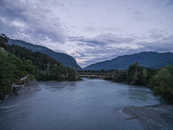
30	18
107	47
102	39
92	30
163	44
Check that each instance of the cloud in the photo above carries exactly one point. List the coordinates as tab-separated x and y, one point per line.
164	44
31	18
102	39
101	47
92	30
107	46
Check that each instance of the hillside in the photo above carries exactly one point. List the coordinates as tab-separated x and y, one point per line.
17	62
146	59
63	58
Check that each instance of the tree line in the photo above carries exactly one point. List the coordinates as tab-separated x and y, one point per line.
16	62
159	80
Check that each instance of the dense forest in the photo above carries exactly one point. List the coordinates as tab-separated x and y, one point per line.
17	62
62	58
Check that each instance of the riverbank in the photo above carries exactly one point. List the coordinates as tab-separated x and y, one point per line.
30	87
154	117
27	88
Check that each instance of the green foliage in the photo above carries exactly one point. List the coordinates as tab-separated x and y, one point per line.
162	83
11	70
17	62
138	75
160	80
46	68
119	76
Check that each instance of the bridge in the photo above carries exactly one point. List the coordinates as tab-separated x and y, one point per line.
93	76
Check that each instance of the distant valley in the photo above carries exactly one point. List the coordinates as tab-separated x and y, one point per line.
146	59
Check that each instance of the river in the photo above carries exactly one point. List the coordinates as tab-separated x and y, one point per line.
90	104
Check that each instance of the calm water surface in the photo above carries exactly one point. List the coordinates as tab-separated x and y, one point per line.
91	104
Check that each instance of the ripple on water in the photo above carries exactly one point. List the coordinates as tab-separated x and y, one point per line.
91	104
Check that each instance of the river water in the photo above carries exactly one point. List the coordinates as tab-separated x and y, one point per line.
90	104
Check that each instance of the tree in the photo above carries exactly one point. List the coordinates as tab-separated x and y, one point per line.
162	83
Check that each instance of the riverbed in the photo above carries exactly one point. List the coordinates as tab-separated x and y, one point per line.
90	104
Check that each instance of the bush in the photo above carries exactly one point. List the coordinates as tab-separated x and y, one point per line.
11	70
138	75
162	83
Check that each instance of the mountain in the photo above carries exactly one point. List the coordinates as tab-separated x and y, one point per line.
63	58
147	59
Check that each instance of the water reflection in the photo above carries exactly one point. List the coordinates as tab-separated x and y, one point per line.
139	93
54	86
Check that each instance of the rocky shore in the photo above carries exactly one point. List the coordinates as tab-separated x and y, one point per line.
155	117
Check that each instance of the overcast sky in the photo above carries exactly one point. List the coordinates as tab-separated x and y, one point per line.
91	30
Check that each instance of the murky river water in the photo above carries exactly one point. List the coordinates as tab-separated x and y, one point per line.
91	104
